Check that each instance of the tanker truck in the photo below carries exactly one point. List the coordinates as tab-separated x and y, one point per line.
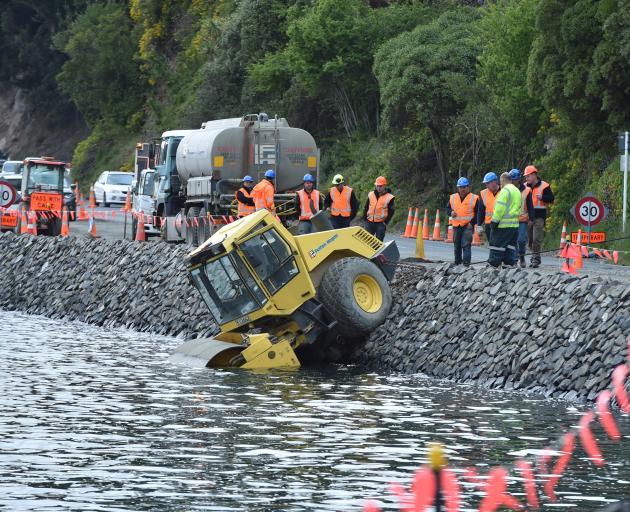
199	171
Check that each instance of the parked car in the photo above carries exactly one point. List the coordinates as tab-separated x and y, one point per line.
111	187
12	167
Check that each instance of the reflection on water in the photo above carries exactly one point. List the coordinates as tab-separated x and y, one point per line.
98	419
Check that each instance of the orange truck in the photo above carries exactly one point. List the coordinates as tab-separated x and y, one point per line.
42	192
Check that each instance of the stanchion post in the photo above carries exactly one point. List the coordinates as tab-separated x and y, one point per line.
625	183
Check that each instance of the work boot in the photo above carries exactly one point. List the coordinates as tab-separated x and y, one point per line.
521	262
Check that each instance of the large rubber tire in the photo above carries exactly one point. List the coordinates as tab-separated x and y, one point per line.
205	230
54	227
192	234
349	281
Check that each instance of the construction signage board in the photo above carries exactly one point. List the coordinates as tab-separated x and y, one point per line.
8	194
9	219
41	201
589	211
595	238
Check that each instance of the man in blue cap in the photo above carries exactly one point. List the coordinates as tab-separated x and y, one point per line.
244	198
461	209
526	217
485	205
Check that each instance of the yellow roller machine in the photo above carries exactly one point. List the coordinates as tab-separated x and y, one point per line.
280	299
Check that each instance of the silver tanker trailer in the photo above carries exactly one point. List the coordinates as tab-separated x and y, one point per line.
200	170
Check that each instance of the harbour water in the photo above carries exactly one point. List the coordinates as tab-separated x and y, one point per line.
99	419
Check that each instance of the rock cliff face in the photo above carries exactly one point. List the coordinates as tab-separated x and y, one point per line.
515	329
29	130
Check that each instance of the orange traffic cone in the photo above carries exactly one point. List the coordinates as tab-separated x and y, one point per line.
32	223
24	224
92	199
127	207
409	223
563	236
92	227
476	238
425	225
65	228
578	257
437	235
449	233
414	225
140	234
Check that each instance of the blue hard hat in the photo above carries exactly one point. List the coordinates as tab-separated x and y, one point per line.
490	177
463	182
248	178
309	177
270	174
515	174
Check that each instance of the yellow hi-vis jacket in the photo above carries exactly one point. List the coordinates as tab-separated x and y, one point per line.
507	207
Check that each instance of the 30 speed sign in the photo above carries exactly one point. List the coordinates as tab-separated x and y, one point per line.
589	211
8	194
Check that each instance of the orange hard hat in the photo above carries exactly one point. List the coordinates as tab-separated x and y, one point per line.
530	169
381	181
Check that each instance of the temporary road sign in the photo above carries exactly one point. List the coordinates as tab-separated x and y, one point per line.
589	211
596	237
8	194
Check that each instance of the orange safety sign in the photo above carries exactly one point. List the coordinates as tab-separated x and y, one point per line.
595	238
42	201
9	219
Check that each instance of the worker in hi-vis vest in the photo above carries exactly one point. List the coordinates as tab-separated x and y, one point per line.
379	208
504	233
462	208
341	202
308	202
244	197
264	192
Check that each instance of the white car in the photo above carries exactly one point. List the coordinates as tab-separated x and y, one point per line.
111	187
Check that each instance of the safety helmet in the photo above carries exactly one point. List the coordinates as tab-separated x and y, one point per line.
530	169
338	179
381	180
248	178
463	182
271	174
308	177
515	174
490	177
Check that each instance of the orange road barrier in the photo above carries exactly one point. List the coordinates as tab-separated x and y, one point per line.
449	233
425	225
476	238
92	199
437	235
65	228
92	227
140	234
409	223
414	226
24	224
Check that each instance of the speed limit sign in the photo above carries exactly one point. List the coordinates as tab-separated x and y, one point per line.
589	211
8	194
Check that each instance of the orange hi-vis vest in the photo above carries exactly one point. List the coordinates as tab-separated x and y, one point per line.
524	216
263	196
245	209
378	207
340	206
537	192
464	210
488	199
309	203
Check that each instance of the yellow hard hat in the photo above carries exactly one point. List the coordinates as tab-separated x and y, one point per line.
337	179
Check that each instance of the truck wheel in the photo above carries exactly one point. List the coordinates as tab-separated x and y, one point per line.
356	293
205	230
192	234
134	228
54	228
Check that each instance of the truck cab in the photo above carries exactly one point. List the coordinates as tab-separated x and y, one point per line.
43	192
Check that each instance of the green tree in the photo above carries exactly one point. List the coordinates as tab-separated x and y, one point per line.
101	75
426	78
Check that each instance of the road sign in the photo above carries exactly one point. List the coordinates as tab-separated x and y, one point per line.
596	237
589	211
8	194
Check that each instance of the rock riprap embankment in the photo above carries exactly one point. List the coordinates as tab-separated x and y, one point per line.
517	329
557	334
112	283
